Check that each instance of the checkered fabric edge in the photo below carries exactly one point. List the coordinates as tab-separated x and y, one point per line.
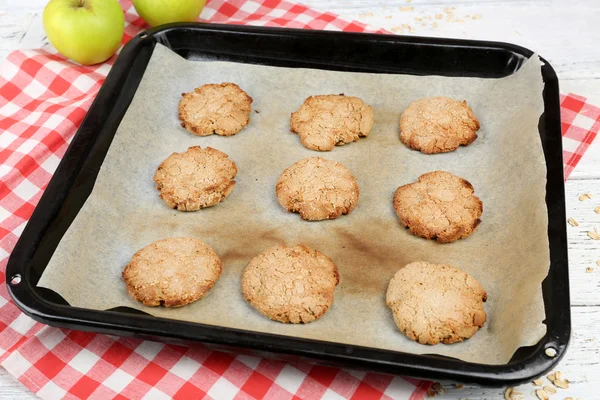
580	125
43	99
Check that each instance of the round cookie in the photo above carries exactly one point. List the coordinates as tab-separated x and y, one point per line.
317	189
290	284
439	206
223	109
438	125
172	272
326	121
195	179
436	303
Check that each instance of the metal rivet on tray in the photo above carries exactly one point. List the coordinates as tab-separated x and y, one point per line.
551	352
143	35
16	279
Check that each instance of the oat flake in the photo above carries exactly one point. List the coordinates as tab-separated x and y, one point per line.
541	394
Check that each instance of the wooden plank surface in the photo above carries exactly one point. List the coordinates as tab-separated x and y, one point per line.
565	32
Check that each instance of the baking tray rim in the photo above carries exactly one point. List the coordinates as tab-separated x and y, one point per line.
25	295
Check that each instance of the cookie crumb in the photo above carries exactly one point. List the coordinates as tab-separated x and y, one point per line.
459	386
572	222
594	234
585	196
541	394
538	382
589	269
435	389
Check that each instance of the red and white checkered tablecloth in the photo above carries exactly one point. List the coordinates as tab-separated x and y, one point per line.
43	99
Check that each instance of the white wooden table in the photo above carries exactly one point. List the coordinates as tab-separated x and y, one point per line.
565	32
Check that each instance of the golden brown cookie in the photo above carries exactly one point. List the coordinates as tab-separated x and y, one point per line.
172	272
439	206
438	125
290	284
317	189
326	121
195	179
223	109
436	303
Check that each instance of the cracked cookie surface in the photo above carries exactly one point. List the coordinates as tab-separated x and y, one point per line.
290	284
436	303
172	272
195	179
222	109
439	206
326	121
317	189
438	125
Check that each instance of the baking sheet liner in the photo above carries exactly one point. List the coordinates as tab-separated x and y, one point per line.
508	253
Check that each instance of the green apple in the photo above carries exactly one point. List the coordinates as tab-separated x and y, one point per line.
86	31
158	12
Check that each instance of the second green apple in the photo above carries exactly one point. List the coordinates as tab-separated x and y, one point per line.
158	12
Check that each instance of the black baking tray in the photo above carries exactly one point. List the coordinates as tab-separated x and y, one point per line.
76	174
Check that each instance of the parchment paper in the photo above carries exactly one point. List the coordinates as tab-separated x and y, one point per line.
508	253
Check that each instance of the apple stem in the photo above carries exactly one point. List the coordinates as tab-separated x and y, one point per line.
81	3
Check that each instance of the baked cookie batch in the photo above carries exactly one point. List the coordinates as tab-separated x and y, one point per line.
430	303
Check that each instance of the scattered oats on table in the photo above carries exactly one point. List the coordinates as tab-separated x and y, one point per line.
538	382
549	389
589	269
572	222
585	196
594	234
598	262
512	393
541	394
561	383
597	210
403	9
